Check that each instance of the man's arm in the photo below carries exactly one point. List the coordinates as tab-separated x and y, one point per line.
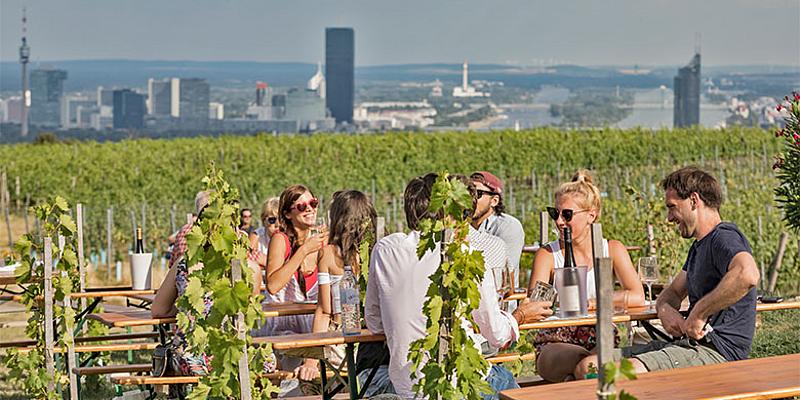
668	305
742	276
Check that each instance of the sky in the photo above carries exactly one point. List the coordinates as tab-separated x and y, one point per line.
524	32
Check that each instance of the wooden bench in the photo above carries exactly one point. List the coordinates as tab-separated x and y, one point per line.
510	357
763	378
88	339
112	369
125	317
102	348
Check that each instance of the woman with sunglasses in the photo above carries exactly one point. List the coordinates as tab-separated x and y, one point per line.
352	221
259	239
578	205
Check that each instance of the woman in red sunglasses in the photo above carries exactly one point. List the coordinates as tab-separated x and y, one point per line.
578	205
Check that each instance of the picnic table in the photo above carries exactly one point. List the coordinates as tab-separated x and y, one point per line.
763	378
306	340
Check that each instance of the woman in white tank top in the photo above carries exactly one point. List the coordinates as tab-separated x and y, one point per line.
577	205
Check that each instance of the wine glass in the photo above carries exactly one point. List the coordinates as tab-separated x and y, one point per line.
648	273
319	225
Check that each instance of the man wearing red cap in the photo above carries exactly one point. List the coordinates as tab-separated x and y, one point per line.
489	217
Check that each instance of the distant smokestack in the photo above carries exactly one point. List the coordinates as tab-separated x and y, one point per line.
465	77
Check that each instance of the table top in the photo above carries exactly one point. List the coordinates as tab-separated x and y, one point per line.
770	377
112	293
304	340
122	317
8	277
283	309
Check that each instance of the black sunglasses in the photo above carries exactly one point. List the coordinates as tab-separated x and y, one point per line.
566	213
481	193
272	220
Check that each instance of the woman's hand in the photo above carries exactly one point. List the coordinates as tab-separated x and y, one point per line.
307	371
315	243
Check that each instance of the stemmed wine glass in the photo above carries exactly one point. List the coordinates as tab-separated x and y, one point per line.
648	273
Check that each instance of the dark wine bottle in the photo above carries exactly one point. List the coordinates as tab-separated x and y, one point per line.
139	242
569	293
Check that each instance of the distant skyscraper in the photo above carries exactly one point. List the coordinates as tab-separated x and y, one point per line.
24	56
47	87
129	109
190	98
317	82
159	97
687	94
339	73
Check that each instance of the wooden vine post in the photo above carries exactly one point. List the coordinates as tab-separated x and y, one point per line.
241	329
48	312
604	287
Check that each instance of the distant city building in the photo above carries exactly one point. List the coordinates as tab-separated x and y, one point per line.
216	110
395	114
263	94
317	82
129	109
436	91
687	95
339	73
465	90
304	106
159	97
69	110
12	109
47	88
105	97
190	98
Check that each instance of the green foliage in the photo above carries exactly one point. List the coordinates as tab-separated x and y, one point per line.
211	303
787	194
614	372
29	368
450	365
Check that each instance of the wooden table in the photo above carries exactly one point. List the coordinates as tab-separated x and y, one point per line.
763	378
124	317
306	340
8	278
272	310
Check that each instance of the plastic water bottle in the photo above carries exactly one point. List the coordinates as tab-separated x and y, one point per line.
349	298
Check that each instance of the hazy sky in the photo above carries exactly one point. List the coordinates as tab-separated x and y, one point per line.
584	32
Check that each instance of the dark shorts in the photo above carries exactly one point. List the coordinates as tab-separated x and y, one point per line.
658	355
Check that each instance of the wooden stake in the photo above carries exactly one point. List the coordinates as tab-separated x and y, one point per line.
8	228
48	312
651	245
143	225
380	228
775	267
109	244
244	368
81	261
543	221
16	192
604	287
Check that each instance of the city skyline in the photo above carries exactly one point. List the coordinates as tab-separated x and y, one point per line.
621	32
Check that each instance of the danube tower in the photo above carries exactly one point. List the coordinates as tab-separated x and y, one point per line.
24	56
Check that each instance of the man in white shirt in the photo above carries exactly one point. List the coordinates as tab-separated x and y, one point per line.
489	217
398	282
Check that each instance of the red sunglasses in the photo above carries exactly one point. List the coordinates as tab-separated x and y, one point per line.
302	207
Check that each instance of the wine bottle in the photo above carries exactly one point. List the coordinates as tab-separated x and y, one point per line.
569	293
139	242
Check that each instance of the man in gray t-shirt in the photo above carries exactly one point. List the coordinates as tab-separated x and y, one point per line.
489	217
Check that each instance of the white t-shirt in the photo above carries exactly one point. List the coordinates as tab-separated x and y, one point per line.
398	282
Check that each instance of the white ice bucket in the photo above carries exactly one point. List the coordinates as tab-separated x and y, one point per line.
141	276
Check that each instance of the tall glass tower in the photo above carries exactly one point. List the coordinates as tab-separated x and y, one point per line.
687	95
339	73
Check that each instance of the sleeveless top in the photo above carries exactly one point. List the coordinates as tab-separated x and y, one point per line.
292	291
558	262
584	336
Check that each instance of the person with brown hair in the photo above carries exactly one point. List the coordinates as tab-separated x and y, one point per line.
352	222
719	277
260	237
578	205
292	259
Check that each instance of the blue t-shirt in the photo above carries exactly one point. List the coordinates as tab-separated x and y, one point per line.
705	266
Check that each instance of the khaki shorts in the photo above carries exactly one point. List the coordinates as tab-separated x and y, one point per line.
659	355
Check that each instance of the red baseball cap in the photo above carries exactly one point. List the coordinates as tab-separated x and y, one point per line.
490	180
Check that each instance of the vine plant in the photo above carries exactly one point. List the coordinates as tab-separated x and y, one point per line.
787	164
28	368
445	362
211	302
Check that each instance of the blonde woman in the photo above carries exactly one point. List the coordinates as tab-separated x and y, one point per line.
259	239
578	205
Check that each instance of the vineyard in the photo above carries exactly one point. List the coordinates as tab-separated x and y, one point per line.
152	182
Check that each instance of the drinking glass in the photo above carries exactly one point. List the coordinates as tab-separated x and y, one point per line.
319	225
648	273
543	291
500	275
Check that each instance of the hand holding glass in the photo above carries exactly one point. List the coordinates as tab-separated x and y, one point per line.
543	291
